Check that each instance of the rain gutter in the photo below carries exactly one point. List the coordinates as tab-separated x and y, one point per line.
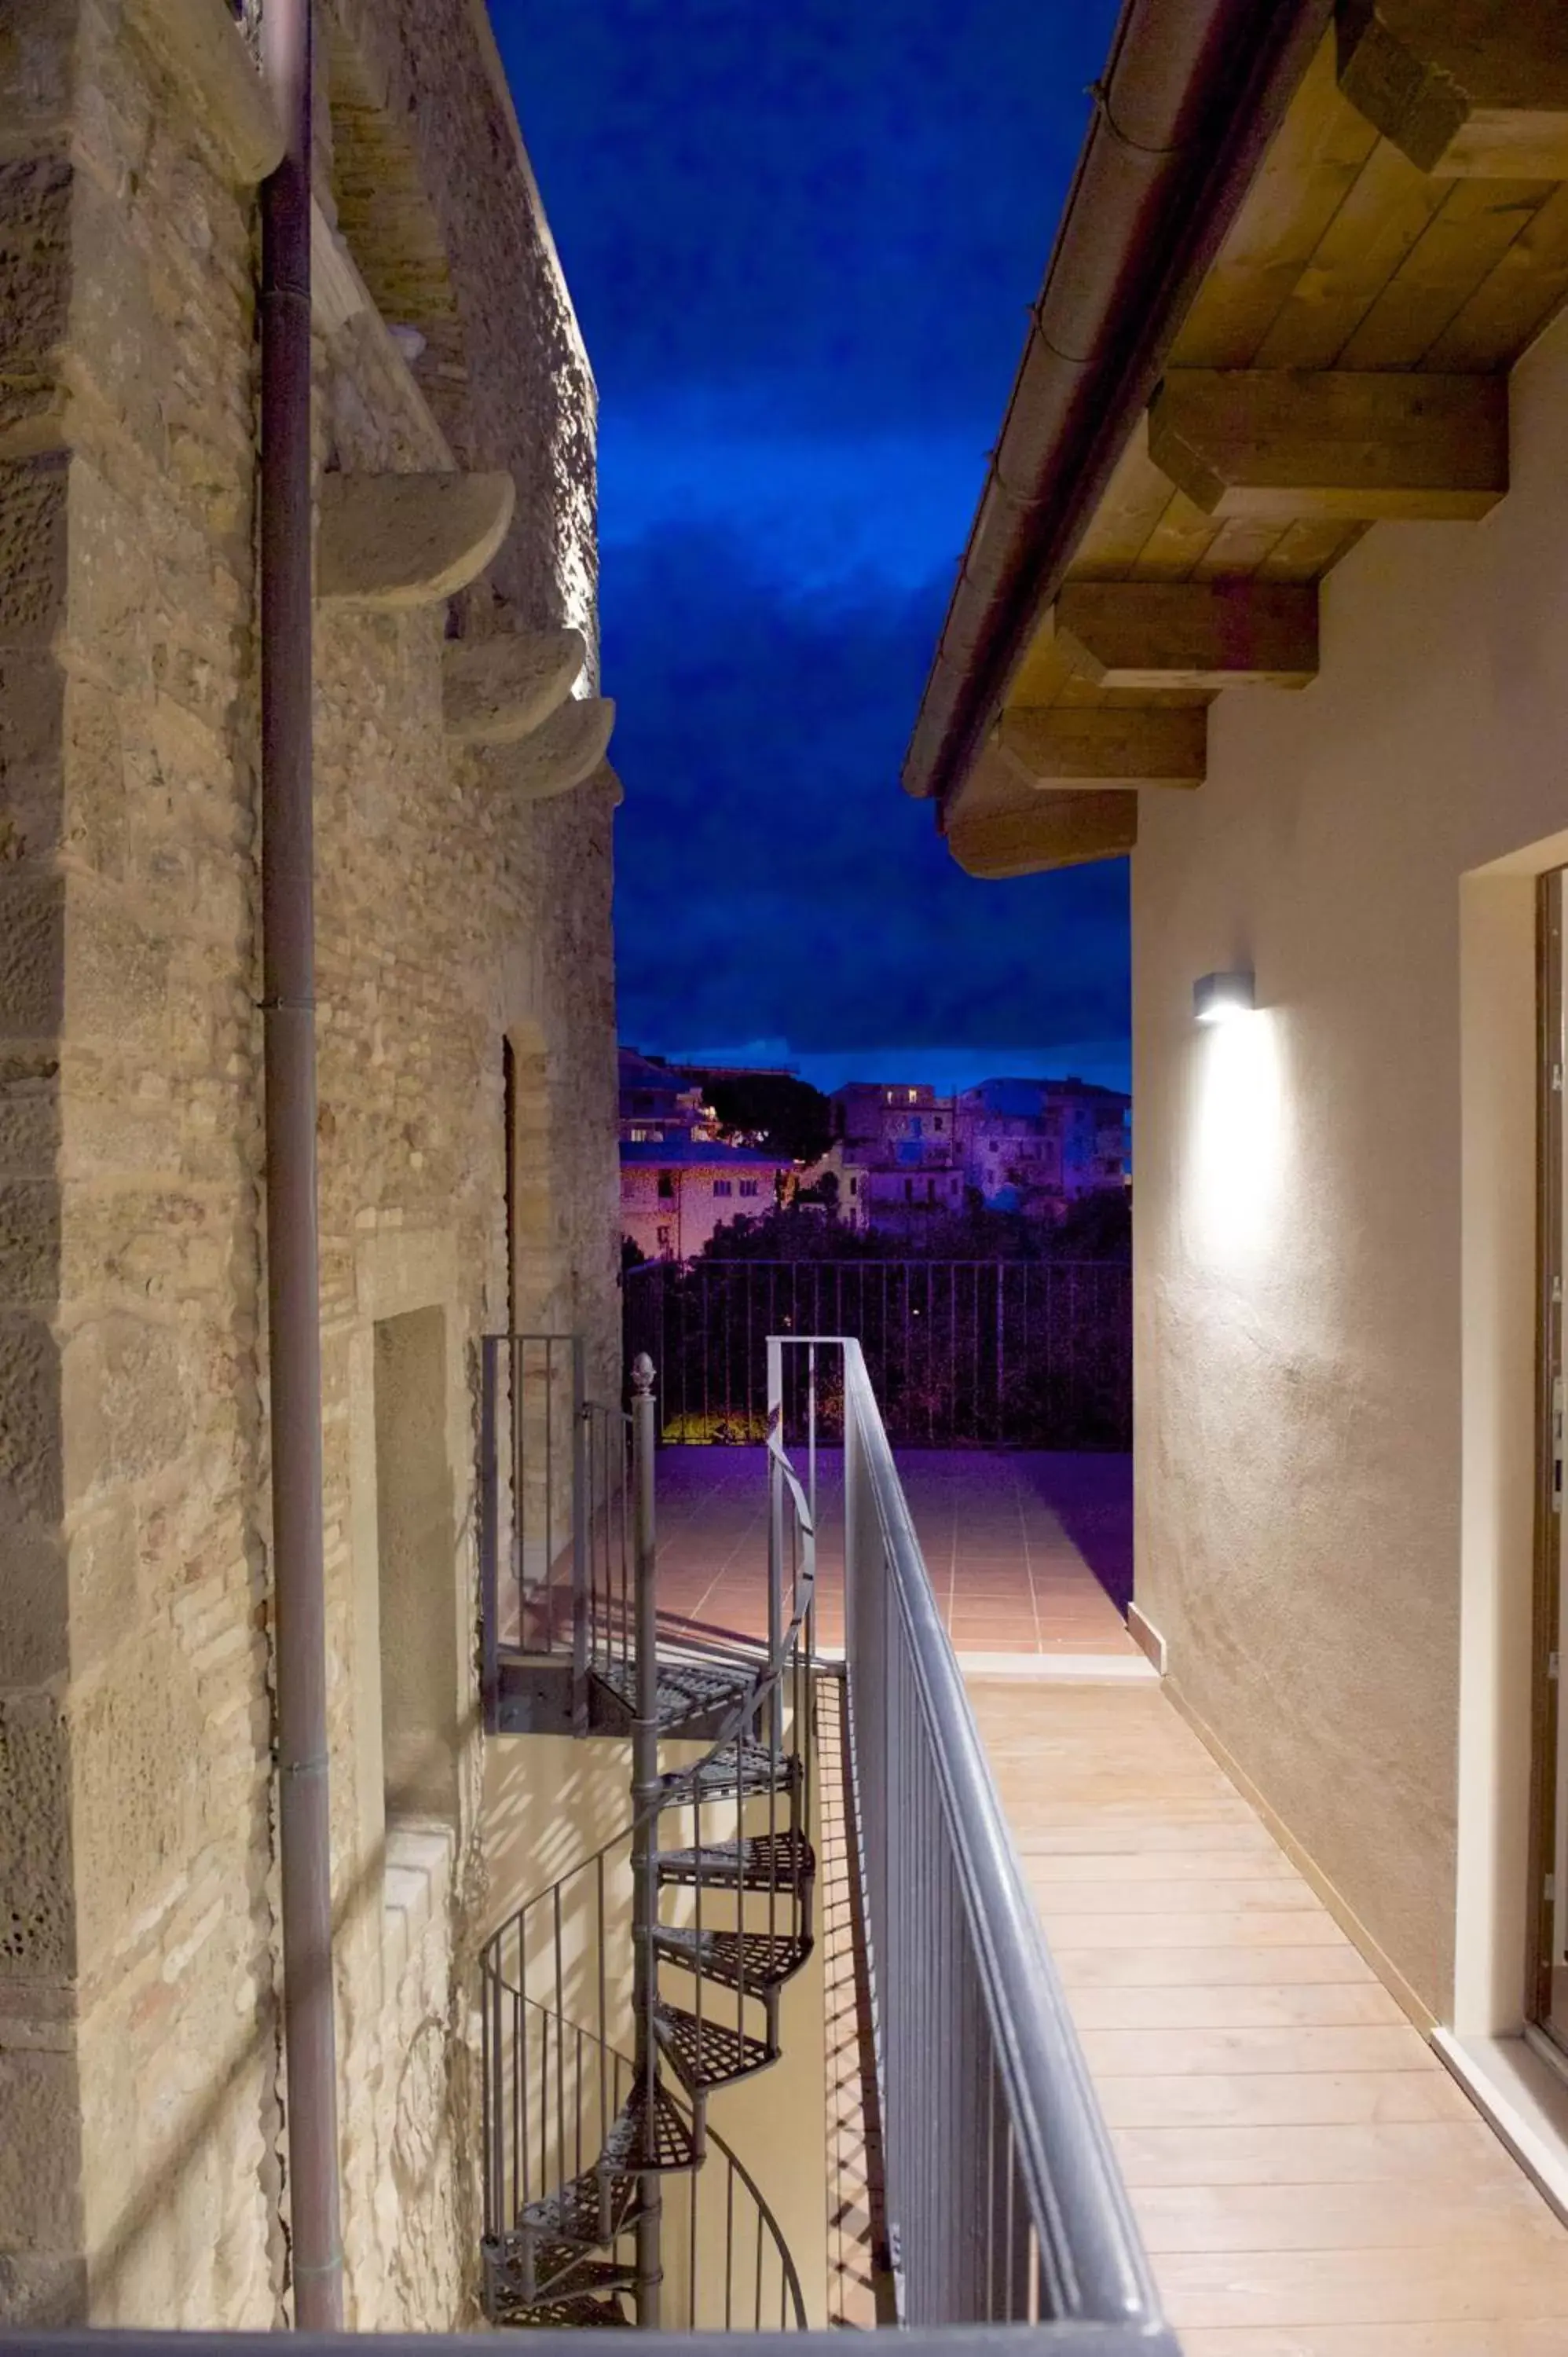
1194	92
294	1301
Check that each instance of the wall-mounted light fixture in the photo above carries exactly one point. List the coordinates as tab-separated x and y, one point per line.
1220	997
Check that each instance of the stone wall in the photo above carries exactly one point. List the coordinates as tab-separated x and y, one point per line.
139	2063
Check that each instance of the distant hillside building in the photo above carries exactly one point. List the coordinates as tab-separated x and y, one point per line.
1044	1143
900	1142
1025	1145
659	1105
676	1194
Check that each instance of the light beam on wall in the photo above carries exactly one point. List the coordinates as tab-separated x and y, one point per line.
1238	1139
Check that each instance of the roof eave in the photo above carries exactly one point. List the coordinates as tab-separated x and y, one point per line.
1193	93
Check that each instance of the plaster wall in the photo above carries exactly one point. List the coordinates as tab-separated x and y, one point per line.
1334	1215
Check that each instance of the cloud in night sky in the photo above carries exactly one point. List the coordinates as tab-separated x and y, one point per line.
801	243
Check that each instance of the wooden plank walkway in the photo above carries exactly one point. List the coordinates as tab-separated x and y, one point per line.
1310	2180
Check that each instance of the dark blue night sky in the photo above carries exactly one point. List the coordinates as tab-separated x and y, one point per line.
802	240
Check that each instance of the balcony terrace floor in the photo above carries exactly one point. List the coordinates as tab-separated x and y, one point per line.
1029	1552
1309	2179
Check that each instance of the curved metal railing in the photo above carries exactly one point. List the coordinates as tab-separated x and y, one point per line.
571	1979
727	2265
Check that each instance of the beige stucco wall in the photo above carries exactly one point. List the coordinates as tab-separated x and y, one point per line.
140	2079
1334	1233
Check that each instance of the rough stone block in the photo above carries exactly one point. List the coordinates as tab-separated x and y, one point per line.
94	817
30	1431
32	707
43	2291
34	1620
100	1572
124	1404
35	300
32	956
30	1242
141	1781
34	497
114	588
40	2152
117	980
29	1114
36	1921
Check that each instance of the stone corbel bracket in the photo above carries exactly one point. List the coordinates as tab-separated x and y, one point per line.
203	48
565	751
391	543
498	691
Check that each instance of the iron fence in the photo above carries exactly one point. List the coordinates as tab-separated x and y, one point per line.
962	1354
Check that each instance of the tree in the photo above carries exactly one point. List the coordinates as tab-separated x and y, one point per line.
781	1113
797	1231
1096	1227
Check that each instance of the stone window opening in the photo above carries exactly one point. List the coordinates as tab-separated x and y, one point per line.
416	1570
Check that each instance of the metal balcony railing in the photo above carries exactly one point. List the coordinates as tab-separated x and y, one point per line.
963	1354
1002	2199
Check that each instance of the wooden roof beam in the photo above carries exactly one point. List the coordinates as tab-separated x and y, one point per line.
1358	446
1189	634
1049	830
1476	92
1068	746
390	542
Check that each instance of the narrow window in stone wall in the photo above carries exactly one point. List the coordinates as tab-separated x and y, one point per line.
416	1564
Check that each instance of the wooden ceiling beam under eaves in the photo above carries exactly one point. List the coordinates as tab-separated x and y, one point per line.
1066	746
1050	830
1208	634
1358	445
1472	91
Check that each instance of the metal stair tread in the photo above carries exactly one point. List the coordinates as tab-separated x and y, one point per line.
732	1771
572	2214
753	1961
686	1689
781	1861
647	2139
583	2313
707	2054
561	2271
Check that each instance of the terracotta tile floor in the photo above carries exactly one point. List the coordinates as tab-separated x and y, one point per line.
1029	1553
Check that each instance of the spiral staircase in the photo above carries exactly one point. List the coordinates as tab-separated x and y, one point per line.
648	1978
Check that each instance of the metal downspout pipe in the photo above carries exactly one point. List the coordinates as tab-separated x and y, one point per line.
289	996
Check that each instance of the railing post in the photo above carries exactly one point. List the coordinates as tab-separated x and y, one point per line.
579	1536
775	1503
644	1830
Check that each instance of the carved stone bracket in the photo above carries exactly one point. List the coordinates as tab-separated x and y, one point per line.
390	542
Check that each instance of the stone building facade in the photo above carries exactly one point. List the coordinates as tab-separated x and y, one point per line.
467	1129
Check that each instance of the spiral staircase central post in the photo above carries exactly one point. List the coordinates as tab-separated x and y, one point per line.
645	1837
